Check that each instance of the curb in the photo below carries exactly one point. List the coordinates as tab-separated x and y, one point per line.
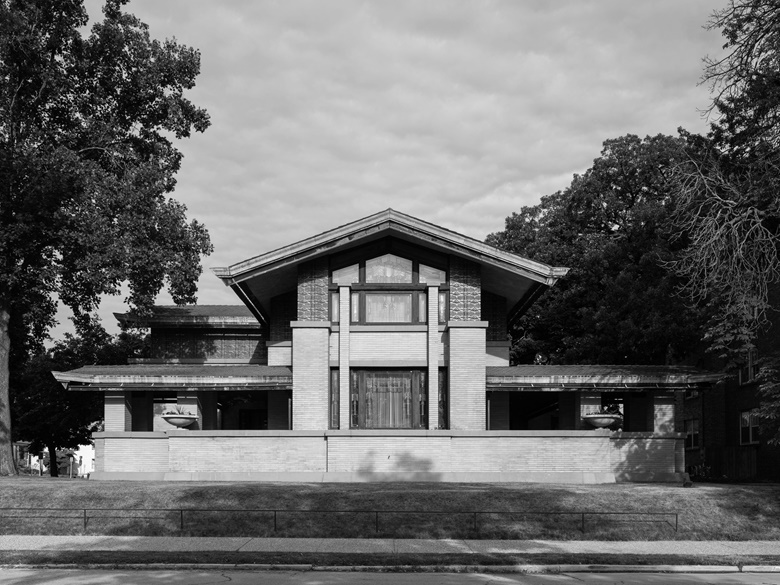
497	569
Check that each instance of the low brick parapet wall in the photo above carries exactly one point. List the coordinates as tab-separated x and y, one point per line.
595	456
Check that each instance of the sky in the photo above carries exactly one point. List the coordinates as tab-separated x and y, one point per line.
456	112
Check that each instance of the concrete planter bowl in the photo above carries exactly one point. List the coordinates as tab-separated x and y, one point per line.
601	421
180	420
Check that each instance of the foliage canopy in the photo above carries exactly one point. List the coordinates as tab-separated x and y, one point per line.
86	164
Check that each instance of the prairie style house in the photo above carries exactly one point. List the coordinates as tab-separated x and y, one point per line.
376	351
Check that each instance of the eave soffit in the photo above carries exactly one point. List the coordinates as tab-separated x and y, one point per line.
389	222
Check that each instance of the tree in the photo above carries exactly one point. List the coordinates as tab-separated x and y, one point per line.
86	163
49	416
729	209
617	303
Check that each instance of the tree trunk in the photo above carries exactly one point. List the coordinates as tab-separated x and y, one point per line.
7	463
54	469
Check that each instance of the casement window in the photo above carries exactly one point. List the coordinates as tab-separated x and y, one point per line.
333	402
692	433
748	427
388	289
388	399
444	400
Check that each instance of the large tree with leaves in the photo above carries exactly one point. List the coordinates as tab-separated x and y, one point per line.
86	166
617	304
49	416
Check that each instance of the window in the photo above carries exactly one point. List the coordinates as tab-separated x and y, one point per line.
748	427
333	420
388	399
388	307
389	269
692	433
346	276
389	289
749	371
444	409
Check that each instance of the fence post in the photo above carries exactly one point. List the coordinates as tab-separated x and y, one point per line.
274	520
475	521
377	520
583	522
85	519
181	519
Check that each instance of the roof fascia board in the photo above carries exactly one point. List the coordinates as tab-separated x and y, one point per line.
388	220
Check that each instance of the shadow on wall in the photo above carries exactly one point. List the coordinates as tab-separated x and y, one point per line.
647	459
403	466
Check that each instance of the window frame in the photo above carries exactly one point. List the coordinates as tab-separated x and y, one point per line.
419	399
360	290
692	433
752	429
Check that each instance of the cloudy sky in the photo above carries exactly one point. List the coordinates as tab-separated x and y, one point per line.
457	112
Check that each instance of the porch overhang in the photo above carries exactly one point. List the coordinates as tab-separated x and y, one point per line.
173	377
597	378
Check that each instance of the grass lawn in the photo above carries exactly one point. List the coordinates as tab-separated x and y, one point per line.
706	511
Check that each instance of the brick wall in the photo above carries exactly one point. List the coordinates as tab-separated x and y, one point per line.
663	413
254	452
117	414
578	456
642	454
311	375
465	290
146	452
494	312
238	345
467	376
313	280
284	309
389	346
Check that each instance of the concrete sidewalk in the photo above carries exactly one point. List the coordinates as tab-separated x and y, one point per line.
386	545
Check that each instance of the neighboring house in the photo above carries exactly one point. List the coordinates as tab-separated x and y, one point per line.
378	351
722	427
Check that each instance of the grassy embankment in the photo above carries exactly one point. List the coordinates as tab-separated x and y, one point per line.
706	512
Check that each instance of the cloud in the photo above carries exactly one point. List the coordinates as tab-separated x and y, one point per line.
456	111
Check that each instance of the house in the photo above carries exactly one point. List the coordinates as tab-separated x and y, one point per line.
722	439
375	351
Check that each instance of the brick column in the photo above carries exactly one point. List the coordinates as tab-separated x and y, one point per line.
117	412
344	318
663	413
433	357
311	375
467	375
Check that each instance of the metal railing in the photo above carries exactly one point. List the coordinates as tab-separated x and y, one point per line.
85	514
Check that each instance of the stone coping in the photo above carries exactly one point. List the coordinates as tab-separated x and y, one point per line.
588	434
567	477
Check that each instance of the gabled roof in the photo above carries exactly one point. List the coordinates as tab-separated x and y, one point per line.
257	279
556	377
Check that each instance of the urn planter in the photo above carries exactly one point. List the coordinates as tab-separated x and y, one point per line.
600	421
180	420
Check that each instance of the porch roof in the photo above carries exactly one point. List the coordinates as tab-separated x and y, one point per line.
177	376
597	377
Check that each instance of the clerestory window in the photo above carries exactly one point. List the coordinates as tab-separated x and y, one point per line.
388	289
